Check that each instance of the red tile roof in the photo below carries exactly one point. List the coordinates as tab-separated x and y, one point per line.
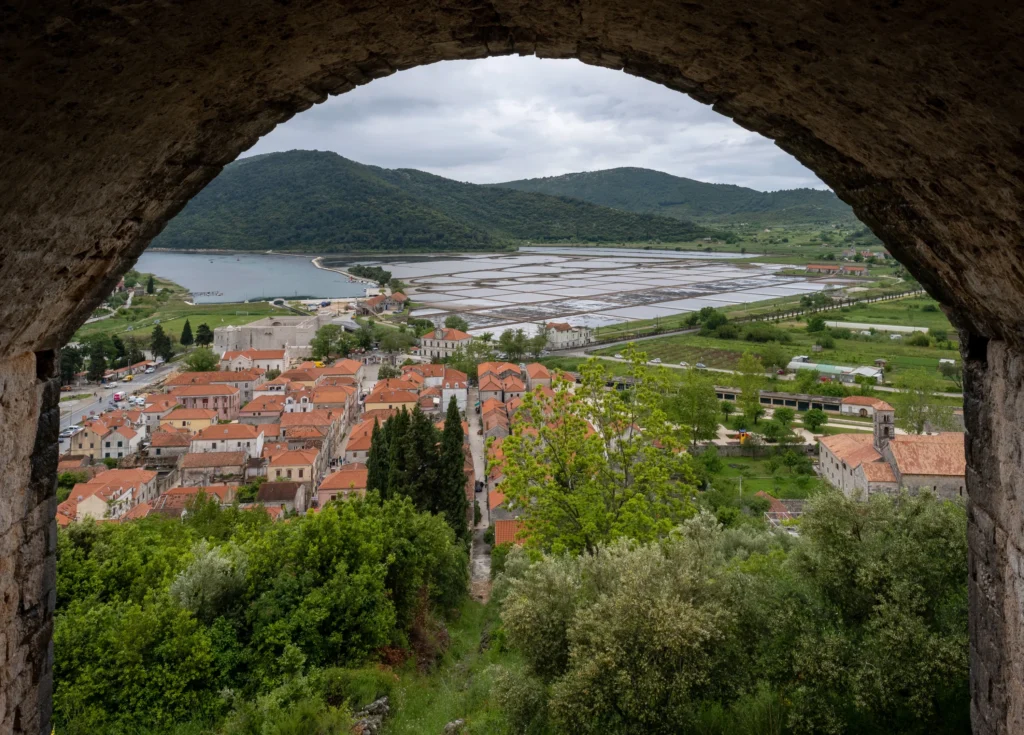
190	414
227	431
876	403
505	532
214	389
202	460
349	477
294	457
940	454
450	335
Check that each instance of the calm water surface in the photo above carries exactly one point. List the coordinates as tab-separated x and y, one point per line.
248	276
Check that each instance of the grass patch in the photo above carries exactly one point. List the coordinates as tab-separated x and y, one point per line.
461	686
76	397
754	475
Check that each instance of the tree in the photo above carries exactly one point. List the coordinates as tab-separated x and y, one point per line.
325	342
938	334
204	335
607	466
816	324
388	371
71	361
160	343
394	341
774	355
727	407
202	360
377	462
784	416
807	381
97	362
952	371
695	406
452	477
536	344
186	335
750	380
486	337
454	321
508	344
365	336
272	373
815	419
916	404
150	288
132	351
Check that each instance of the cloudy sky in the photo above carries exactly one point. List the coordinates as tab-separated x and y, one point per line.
511	118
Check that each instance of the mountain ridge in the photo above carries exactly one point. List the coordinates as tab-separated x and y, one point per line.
647	191
321	202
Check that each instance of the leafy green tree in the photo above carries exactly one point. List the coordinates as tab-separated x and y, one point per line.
272	373
365	336
387	371
186	335
394	341
97	362
784	415
150	288
952	371
454	321
452	478
916	404
71	362
160	343
814	419
695	406
774	355
750	380
324	344
202	360
816	324
807	381
726	407
204	335
132	352
938	334
66	481
536	344
609	466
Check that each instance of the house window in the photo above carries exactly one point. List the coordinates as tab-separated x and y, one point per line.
158	451
289	474
108	445
120	444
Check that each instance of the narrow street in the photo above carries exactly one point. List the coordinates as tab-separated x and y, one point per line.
480	552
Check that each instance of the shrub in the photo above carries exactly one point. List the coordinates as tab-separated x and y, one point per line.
725	331
918	339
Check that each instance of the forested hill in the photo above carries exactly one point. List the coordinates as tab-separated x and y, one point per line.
654	192
315	201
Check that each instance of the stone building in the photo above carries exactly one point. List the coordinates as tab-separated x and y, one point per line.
564	336
291	334
443	342
885	462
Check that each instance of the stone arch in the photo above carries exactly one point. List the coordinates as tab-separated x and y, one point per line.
116	114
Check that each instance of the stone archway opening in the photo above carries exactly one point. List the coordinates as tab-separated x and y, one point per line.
115	115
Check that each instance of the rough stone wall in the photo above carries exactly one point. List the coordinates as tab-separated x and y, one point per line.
993	411
29	423
116	113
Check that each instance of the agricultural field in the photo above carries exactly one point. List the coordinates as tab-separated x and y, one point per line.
756	475
170	310
721	353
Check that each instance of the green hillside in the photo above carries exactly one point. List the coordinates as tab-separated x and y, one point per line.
653	192
315	201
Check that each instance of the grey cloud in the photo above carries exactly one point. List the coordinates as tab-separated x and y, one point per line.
509	118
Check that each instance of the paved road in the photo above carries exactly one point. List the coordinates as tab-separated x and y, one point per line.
72	412
480	552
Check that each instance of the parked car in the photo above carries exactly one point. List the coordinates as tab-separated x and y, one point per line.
112	384
150	370
128	378
67	433
618	355
656	361
684	364
781	372
700	365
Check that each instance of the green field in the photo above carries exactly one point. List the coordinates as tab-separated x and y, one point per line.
171	311
858	350
757	477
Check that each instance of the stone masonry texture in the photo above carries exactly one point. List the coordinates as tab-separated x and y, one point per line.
115	113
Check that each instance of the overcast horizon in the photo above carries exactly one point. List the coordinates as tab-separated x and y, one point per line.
507	118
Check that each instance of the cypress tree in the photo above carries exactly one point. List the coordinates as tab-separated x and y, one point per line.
149	284
377	463
452	479
186	334
421	462
397	478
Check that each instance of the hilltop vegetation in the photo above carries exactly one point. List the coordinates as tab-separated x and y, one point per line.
314	201
653	192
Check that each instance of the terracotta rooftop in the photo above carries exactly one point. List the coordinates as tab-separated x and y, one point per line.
264	404
450	335
294	457
202	460
255	354
191	414
214	389
505	532
227	431
939	454
853	449
876	403
537	371
878	472
169	439
349	477
277	492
